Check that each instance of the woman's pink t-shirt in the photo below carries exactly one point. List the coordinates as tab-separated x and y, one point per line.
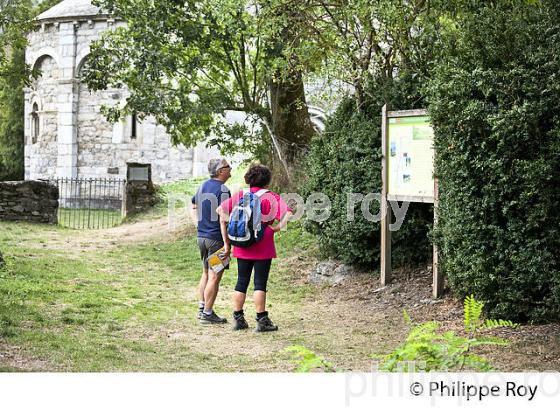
272	208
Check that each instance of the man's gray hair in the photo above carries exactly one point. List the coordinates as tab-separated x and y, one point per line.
214	166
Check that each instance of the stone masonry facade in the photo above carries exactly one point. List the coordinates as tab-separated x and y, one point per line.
66	135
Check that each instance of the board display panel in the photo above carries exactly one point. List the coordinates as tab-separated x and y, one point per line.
410	159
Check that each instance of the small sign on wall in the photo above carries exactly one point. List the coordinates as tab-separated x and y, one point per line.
139	172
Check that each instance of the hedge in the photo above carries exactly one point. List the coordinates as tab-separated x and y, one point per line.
495	105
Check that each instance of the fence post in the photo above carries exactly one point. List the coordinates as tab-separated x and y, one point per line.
124	209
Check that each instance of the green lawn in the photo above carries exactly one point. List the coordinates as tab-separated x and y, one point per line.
124	299
128	306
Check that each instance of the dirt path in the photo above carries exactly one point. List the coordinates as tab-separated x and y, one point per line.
152	230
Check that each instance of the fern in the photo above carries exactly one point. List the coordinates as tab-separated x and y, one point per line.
472	312
308	360
427	349
492	324
406	317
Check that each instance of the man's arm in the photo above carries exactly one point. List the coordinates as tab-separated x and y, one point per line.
224	219
194	214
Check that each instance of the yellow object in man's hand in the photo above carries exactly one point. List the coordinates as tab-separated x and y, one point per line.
218	261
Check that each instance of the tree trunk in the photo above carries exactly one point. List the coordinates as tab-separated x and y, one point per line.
291	126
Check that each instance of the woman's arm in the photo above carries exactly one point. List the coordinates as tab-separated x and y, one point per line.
283	222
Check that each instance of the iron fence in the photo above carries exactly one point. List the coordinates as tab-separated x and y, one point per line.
90	203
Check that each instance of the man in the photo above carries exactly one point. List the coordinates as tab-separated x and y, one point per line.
208	197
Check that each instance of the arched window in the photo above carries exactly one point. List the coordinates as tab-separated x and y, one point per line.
35	123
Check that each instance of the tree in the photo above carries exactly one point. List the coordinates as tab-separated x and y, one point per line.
360	42
383	50
16	19
187	63
12	115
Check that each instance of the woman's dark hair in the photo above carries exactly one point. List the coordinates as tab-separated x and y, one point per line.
258	175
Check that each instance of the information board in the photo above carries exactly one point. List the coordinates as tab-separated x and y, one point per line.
410	158
407	174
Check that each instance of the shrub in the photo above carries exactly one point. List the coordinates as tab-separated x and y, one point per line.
346	158
495	106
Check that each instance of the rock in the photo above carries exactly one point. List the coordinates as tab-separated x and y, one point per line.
330	272
430	301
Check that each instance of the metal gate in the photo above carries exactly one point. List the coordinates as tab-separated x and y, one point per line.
88	203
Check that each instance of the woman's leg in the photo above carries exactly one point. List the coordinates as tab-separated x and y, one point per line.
262	271
244	269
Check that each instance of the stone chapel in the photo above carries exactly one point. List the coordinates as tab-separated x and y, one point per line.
66	136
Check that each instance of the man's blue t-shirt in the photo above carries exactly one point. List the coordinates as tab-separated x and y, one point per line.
208	197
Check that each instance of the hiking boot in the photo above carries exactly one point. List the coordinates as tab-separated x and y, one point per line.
212	318
264	324
239	322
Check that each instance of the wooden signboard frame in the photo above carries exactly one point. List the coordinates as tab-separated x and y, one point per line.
386	269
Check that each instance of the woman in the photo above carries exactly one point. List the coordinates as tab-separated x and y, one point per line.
258	256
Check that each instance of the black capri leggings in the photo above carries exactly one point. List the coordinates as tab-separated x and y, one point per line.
245	267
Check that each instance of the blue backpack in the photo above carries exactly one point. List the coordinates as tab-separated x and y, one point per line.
245	225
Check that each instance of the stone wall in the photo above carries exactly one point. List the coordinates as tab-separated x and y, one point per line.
139	197
31	201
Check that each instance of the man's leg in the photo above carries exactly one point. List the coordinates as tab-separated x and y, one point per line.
202	284
211	290
204	278
212	286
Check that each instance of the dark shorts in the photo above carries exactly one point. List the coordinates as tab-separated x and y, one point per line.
207	247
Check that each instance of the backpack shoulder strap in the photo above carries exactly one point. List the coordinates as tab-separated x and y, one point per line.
261	192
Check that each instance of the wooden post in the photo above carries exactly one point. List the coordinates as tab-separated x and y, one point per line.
385	209
437	286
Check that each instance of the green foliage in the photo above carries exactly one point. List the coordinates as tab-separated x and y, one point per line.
13	77
495	106
472	312
307	360
188	63
346	159
427	349
11	114
16	18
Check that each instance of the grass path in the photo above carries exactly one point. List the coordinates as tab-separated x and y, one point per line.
124	299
